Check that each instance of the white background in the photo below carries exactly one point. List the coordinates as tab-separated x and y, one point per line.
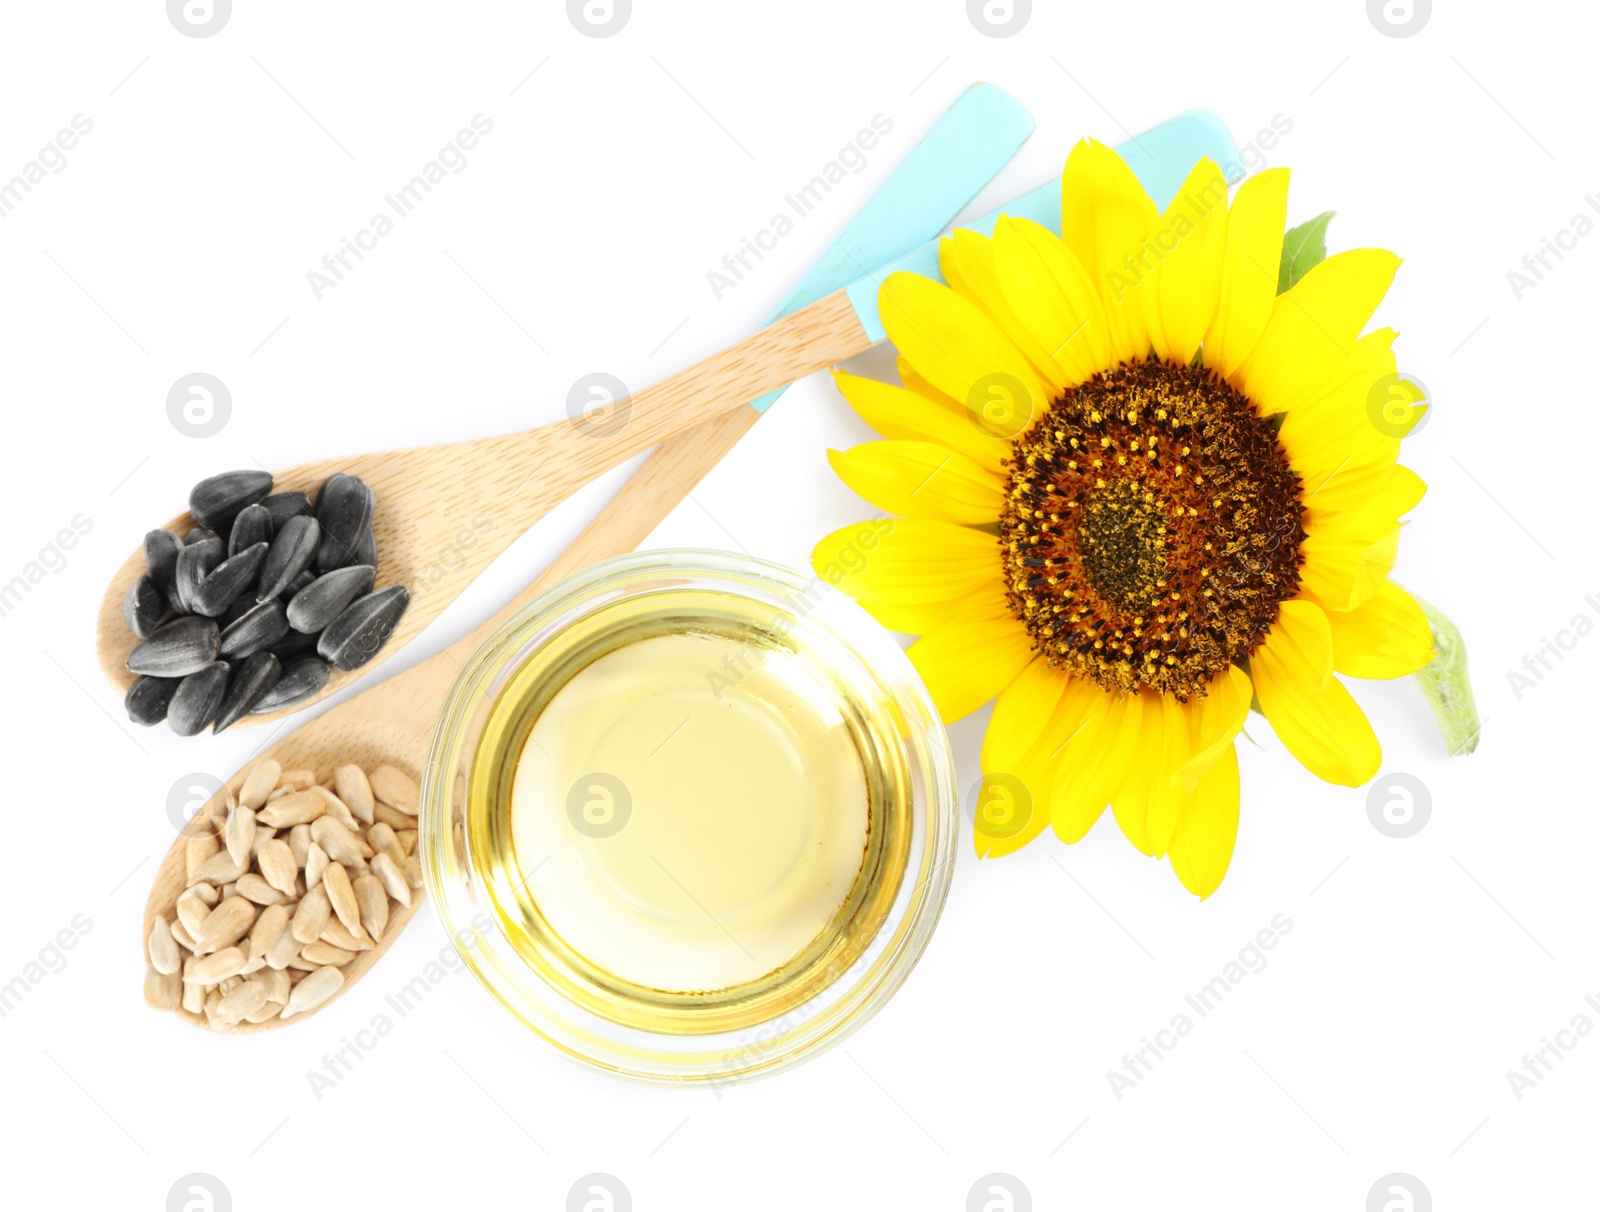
178	238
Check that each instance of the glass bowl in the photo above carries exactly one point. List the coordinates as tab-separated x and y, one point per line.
488	893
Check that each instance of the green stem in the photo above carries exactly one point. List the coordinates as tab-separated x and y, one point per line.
1448	688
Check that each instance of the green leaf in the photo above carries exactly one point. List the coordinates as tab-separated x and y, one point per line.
1446	685
1303	247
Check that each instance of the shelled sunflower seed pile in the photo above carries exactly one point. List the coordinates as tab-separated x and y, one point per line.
255	621
291	883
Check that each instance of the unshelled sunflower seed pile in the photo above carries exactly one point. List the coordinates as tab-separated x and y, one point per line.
253	609
288	883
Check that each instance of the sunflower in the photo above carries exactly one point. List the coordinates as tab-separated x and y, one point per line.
1136	490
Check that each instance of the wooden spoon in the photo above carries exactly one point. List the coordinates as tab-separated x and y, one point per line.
393	721
445	512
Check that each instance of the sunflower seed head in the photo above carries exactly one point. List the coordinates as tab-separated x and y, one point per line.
344	508
322	601
355	637
259	625
217	500
148	698
177	648
256	678
294	548
252	526
197	699
227	581
302	679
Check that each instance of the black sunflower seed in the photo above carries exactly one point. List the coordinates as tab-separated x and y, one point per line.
367	548
252	526
293	549
300	582
161	548
241	607
145	608
260	626
196	700
256	678
322	601
301	679
354	638
199	535
344	508
177	648
295	644
147	699
227	581
216	501
285	505
195	564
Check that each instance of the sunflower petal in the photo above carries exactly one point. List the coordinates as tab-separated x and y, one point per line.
966	664
1105	219
1389	499
1095	759
1325	729
1180	296
1387	636
1022	711
921	480
1301	644
912	381
906	561
1019	761
1202	846
1342	571
1249	269
1313	328
1154	786
1218	717
902	415
953	343
970	258
1053	298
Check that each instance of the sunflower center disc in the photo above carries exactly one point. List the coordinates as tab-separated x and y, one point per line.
1152	525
